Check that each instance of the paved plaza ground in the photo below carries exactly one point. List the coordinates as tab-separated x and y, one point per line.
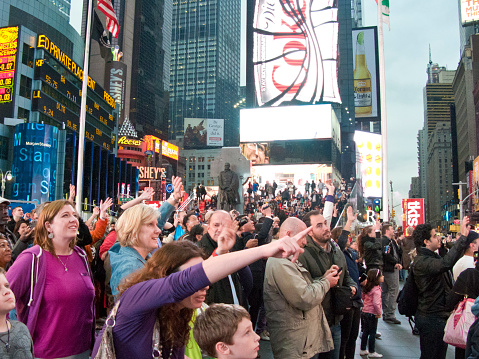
397	342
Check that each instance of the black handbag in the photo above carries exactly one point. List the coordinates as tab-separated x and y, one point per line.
341	299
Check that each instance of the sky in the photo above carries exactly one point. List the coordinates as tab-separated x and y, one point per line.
414	26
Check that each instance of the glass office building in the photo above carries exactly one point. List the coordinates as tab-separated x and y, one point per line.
205	64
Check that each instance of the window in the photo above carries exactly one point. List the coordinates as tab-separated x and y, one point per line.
23	113
25	87
28	55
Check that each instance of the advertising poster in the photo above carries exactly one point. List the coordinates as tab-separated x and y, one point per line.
469	11
195	133
413	212
366	79
215	132
369	147
295	52
169	150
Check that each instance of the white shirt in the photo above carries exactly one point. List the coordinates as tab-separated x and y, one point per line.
461	265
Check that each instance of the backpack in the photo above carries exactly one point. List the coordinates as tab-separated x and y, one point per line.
408	297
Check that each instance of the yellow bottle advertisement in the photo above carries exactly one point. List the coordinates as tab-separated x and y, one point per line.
365	88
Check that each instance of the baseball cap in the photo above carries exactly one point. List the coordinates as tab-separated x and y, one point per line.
4	200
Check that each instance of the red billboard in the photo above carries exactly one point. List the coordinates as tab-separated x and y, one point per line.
413	212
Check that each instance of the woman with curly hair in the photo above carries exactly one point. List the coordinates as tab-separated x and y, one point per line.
172	285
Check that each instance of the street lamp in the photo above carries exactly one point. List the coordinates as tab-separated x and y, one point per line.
6	176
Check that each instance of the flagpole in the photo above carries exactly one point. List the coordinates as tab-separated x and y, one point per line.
84	92
384	121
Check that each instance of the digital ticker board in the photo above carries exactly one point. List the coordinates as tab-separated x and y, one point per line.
8	59
46	105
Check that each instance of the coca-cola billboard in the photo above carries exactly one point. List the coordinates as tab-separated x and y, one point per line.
295	49
413	212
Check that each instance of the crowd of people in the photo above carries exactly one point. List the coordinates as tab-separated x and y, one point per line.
173	283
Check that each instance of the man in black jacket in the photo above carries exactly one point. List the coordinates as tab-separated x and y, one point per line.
228	290
391	267
433	277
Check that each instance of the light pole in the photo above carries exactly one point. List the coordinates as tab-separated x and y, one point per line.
6	176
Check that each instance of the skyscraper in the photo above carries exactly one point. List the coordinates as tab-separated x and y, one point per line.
205	64
144	39
63	6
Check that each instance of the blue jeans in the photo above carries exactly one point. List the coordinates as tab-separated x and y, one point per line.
336	334
370	327
431	332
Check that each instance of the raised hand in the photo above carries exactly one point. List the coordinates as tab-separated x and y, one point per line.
177	188
287	246
147	194
96	211
104	207
350	215
227	237
71	198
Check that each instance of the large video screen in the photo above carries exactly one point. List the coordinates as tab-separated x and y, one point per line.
369	147
295	52
366	74
288	123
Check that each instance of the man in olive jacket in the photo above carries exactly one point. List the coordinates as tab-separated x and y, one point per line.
296	321
433	277
320	253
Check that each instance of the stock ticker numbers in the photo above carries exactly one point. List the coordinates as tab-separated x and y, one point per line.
8	56
99	121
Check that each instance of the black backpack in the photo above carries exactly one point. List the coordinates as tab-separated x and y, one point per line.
408	297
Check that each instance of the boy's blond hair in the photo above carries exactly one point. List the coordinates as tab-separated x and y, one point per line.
218	323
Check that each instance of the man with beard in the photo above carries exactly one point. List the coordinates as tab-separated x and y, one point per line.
4	218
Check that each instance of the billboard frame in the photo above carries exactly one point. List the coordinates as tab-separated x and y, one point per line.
378	88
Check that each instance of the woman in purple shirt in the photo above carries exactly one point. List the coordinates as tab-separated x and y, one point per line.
53	286
172	285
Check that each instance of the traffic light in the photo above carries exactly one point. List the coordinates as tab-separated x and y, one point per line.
377	205
393	213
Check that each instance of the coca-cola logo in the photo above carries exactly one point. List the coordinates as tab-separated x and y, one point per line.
295	51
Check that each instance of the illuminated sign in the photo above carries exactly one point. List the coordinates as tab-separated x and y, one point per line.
369	147
128	142
413	212
45	43
295	50
215	129
152	143
475	179
52	78
366	79
8	56
469	11
44	104
116	85
286	123
169	150
151	173
35	162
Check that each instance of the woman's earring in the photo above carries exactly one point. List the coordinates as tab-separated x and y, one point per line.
50	235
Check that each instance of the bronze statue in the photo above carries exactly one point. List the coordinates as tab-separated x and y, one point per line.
228	192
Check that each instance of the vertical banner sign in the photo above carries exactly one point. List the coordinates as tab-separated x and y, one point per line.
370	162
35	162
8	59
413	212
366	99
295	51
475	170
214	132
115	85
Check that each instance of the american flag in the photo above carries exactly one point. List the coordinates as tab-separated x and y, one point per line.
106	7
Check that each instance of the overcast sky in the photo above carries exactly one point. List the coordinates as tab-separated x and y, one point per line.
414	25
